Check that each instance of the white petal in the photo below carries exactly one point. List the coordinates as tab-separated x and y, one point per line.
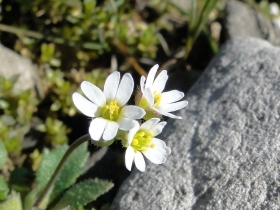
96	128
111	86
132	112
148	95
171	96
151	76
85	106
154	156
125	89
161	147
165	113
150	123
129	157
173	107
93	93
139	161
126	124
110	131
157	129
160	81
132	132
142	83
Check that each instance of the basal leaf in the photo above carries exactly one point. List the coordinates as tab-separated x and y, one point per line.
72	169
83	193
49	162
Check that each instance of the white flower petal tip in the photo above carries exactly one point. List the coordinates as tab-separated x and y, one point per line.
129	158
139	161
111	85
93	93
125	89
85	106
107	108
152	97
141	142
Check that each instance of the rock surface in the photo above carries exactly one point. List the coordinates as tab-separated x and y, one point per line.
13	64
243	20
225	150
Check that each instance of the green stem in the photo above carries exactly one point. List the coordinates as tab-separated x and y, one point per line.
73	146
195	27
189	45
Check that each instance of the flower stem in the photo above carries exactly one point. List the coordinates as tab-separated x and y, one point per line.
73	146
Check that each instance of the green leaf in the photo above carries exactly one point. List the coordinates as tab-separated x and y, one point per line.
13	202
50	160
92	46
4	190
47	52
72	169
3	154
89	6
31	197
83	193
198	23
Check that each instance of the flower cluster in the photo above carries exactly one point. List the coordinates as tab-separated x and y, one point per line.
113	119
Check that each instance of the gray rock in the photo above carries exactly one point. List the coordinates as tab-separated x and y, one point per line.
241	20
244	20
226	149
13	64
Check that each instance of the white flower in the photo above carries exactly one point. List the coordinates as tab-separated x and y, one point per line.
153	100
141	141
108	108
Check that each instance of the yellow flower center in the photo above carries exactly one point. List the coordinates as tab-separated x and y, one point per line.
111	111
142	140
157	99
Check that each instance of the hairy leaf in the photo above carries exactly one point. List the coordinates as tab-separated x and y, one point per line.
49	162
83	193
72	169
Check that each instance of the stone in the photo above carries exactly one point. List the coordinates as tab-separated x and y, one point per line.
244	20
13	64
226	149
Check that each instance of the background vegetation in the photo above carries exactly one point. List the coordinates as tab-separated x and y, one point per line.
75	40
